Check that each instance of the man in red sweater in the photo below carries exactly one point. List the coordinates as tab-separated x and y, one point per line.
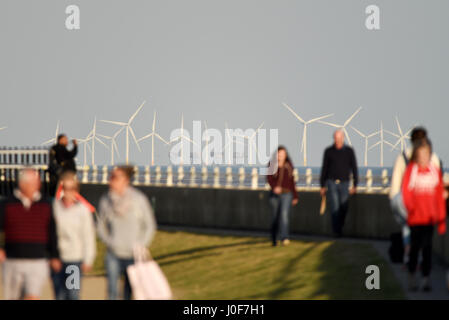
28	226
423	196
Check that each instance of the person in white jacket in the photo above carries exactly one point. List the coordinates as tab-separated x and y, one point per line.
76	239
395	195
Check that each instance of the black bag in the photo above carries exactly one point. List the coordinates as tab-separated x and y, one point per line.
396	250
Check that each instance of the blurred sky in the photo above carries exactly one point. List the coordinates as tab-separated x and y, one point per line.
218	61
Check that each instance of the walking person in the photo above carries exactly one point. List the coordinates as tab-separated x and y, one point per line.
126	220
339	162
76	238
28	224
423	195
395	195
60	160
282	196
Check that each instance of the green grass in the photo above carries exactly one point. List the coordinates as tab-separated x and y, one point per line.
200	266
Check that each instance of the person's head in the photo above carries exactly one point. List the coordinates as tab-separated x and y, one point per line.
422	152
120	178
70	185
339	139
29	182
418	133
63	140
282	155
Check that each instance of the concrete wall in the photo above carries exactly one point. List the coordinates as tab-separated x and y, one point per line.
369	215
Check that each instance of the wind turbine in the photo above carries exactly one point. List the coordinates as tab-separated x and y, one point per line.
230	141
366	137
343	126
153	134
114	147
86	145
381	142
402	137
94	138
55	139
182	137
252	143
304	134
129	129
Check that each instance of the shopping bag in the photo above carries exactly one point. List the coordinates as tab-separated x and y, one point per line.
147	280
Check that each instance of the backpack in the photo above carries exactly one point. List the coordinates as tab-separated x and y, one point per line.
396	250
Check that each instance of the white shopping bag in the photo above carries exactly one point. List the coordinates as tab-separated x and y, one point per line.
147	280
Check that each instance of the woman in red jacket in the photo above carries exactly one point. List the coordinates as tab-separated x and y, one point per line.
282	196
422	190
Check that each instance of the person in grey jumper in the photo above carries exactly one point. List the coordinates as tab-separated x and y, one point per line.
126	221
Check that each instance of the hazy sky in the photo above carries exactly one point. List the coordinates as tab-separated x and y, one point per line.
218	61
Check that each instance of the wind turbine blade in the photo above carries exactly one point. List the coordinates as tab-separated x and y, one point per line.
103	136
135	113
57	129
116	147
347	136
135	139
118	132
360	134
3	128
48	142
392	133
294	113
374	145
330	124
395	145
145	137
114	122
373	134
160	138
399	127
154	121
100	141
188	139
319	118
352	117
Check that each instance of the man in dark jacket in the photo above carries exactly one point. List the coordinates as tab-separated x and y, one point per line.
61	159
338	163
29	239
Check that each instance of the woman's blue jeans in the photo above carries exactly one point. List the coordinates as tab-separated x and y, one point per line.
115	268
280	206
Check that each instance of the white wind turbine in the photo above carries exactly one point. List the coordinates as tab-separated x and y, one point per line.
94	138
114	147
343	126
402	137
129	129
55	139
182	137
153	134
366	137
230	141
85	141
381	142
304	134
251	143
